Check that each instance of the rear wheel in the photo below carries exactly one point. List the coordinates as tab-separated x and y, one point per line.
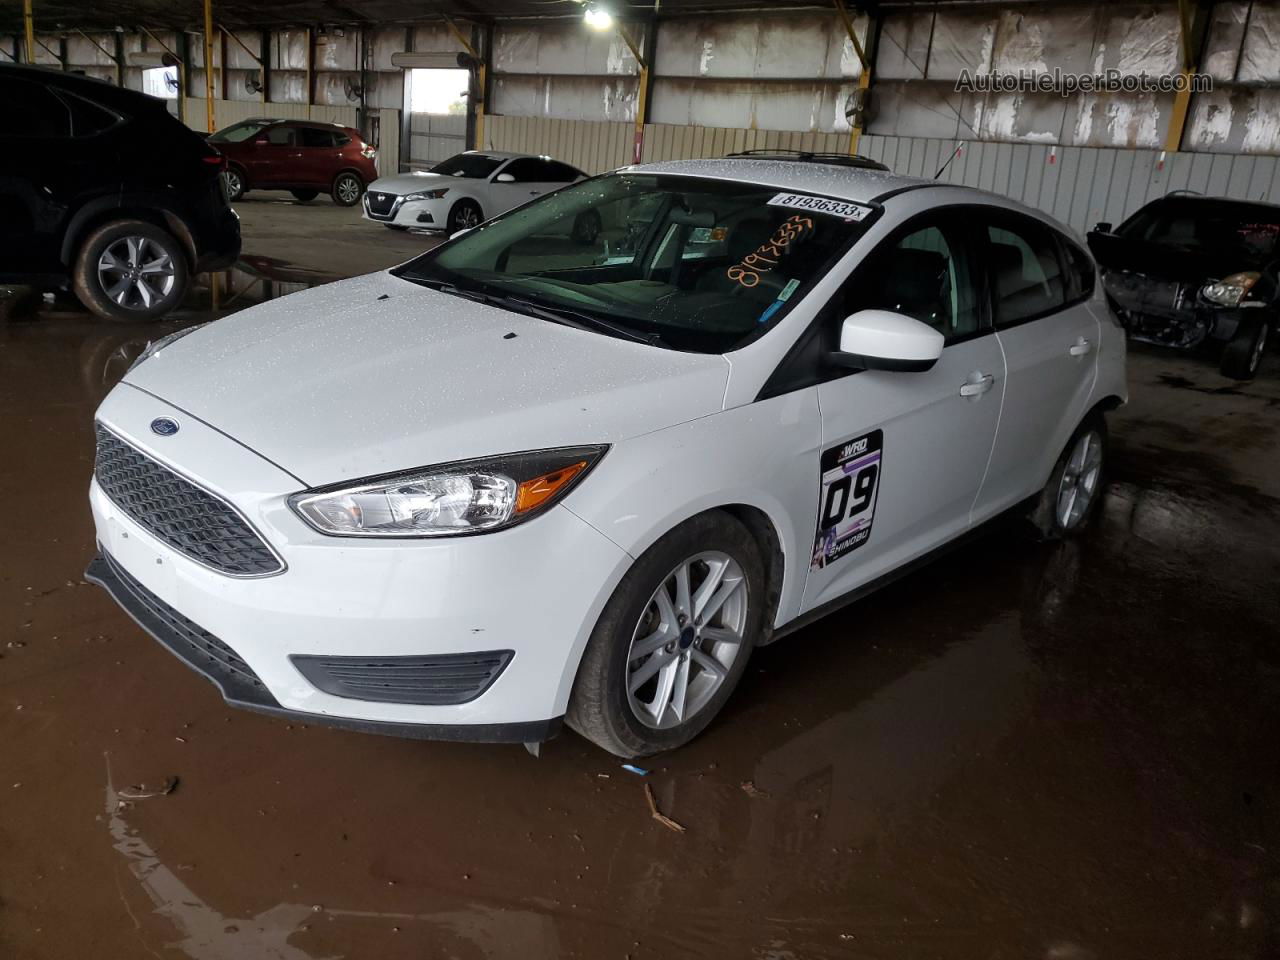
1243	355
464	215
233	183
673	640
347	187
1075	486
303	196
130	271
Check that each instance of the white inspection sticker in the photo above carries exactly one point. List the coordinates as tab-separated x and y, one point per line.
837	208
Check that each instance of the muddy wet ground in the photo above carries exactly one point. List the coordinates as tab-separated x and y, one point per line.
1022	751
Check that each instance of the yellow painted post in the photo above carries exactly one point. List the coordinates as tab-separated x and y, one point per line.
210	121
1182	97
864	78
481	81
28	25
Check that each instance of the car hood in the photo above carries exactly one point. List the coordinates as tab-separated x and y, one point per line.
377	374
413	182
1163	262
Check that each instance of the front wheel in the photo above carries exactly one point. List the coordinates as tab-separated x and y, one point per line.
347	188
673	640
464	215
1243	355
305	196
1075	486
130	271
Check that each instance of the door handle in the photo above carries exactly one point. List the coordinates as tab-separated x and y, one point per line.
1080	347
977	386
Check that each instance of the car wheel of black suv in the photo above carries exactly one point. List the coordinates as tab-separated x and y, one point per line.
1243	355
673	641
347	187
1075	488
130	271
303	196
233	183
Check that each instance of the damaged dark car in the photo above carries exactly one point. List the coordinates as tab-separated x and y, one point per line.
1195	272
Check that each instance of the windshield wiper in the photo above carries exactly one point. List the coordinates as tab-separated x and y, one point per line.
565	317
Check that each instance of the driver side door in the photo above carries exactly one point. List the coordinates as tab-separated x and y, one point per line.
904	454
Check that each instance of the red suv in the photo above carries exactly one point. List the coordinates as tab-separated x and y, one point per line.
303	157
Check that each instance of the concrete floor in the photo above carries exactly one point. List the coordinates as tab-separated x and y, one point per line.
1058	751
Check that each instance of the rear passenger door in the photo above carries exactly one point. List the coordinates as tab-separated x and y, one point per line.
319	156
1040	284
904	454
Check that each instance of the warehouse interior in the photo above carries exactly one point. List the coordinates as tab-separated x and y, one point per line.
1051	750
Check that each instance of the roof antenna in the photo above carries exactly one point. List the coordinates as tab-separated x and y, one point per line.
954	153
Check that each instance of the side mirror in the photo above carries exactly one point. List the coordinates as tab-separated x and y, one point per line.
884	340
1103	226
504	178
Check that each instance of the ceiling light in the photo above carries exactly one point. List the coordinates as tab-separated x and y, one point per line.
597	17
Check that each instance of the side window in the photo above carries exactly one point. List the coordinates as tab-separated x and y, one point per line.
559	173
87	118
32	111
525	170
1083	275
283	136
341	139
311	137
1026	277
926	274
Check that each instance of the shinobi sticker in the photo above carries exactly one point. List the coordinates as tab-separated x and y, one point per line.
847	505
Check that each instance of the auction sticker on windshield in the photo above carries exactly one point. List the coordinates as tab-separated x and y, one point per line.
838	208
850	484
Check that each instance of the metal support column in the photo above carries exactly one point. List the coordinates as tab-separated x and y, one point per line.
29	28
642	90
477	106
864	75
210	120
1193	20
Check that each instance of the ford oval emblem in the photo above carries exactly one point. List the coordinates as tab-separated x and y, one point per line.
164	426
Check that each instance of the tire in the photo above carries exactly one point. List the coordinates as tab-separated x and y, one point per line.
1243	355
347	189
305	196
464	215
600	707
104	282
586	227
1080	469
234	183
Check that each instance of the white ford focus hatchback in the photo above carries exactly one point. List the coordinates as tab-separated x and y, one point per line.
522	481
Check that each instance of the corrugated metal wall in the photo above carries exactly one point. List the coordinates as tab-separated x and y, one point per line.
1078	185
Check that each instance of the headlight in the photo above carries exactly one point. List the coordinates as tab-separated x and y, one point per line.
155	346
472	496
1229	291
425	195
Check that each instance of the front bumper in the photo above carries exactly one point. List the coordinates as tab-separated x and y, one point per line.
534	592
423	214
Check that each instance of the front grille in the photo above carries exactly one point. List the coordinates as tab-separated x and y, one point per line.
440	680
202	650
187	518
380	204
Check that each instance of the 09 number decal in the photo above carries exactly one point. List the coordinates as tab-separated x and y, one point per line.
850	485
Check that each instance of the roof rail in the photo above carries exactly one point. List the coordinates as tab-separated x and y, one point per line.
810	156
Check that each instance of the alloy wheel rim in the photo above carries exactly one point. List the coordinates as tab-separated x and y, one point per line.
348	189
468	218
1079	484
1259	345
231	182
686	640
136	273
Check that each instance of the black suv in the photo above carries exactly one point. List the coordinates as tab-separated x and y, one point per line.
1188	271
103	190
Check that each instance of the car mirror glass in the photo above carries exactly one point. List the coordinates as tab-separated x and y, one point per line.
1103	226
884	340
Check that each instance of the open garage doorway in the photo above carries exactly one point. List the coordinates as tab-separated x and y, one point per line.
437	106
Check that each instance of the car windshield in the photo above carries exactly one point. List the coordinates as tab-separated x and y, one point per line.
239	131
688	263
471	166
1244	232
